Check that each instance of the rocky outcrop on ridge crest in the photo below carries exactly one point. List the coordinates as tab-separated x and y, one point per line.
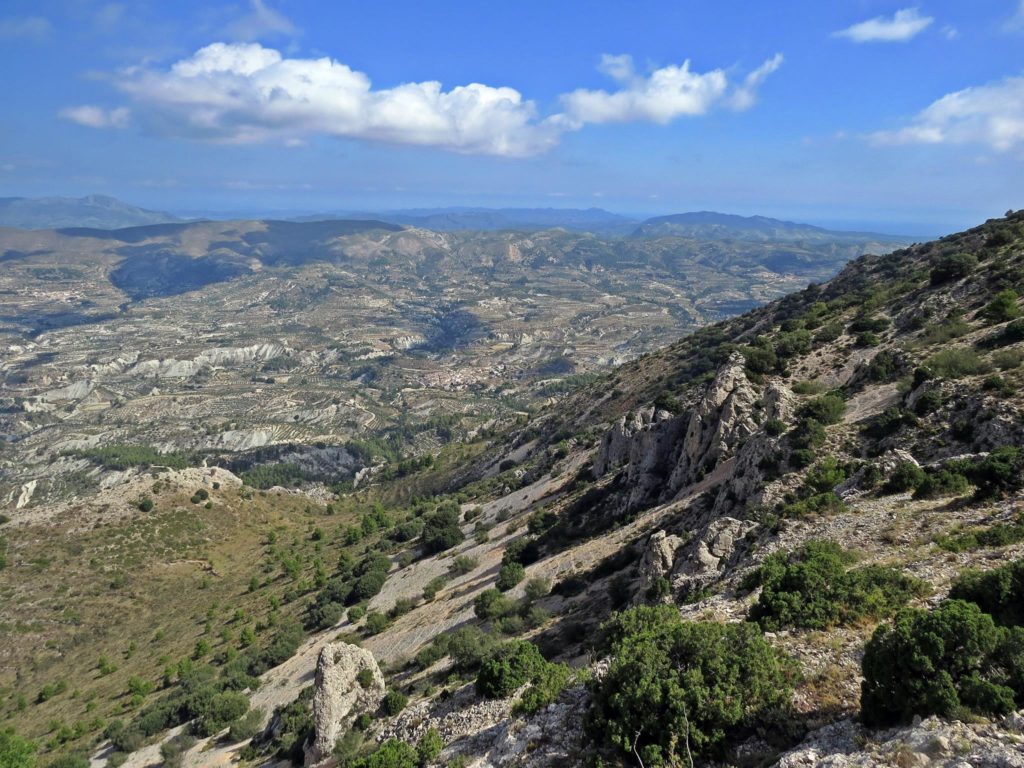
339	696
664	454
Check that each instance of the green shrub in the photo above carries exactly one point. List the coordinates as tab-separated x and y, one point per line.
246	726
675	686
1005	306
391	754
536	588
808	433
928	402
907	476
1012	333
938	483
998	535
936	662
1000	473
429	747
222	709
492	604
775	427
956	362
375	623
827	409
16	752
999	592
514	664
812	588
394	702
548	683
434	586
441	529
953	267
461	565
64	761
809	387
825	475
509	576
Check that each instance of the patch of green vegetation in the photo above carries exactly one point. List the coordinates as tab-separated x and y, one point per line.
997	535
676	688
999	592
815	588
121	457
956	362
949	662
283	474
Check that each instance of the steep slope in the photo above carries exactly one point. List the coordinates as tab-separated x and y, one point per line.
784	482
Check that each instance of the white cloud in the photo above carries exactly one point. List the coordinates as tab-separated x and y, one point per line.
661	96
262	21
990	114
27	27
96	117
245	92
899	28
1016	22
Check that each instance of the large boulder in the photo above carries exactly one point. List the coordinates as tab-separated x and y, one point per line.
339	697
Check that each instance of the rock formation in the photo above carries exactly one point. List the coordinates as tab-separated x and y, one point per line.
340	696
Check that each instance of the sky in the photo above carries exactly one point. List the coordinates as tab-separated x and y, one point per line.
855	113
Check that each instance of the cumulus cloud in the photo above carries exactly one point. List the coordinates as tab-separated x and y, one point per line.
96	117
26	27
245	92
990	114
902	26
661	96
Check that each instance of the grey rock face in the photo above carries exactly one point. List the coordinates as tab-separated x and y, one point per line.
339	698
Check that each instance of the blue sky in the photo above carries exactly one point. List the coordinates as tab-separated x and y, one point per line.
860	113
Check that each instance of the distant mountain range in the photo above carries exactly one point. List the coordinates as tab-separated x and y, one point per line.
101	212
708	225
96	211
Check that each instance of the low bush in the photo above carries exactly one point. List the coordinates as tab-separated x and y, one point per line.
952	267
1000	473
827	409
814	588
394	702
998	535
956	362
941	482
548	683
907	476
513	665
940	662
509	576
676	687
1005	306
492	604
441	529
999	592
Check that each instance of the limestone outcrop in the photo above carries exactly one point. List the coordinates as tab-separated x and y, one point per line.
340	695
665	454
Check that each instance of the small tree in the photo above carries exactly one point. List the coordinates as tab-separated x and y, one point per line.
510	575
932	663
678	690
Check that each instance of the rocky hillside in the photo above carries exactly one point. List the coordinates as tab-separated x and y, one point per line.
791	538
